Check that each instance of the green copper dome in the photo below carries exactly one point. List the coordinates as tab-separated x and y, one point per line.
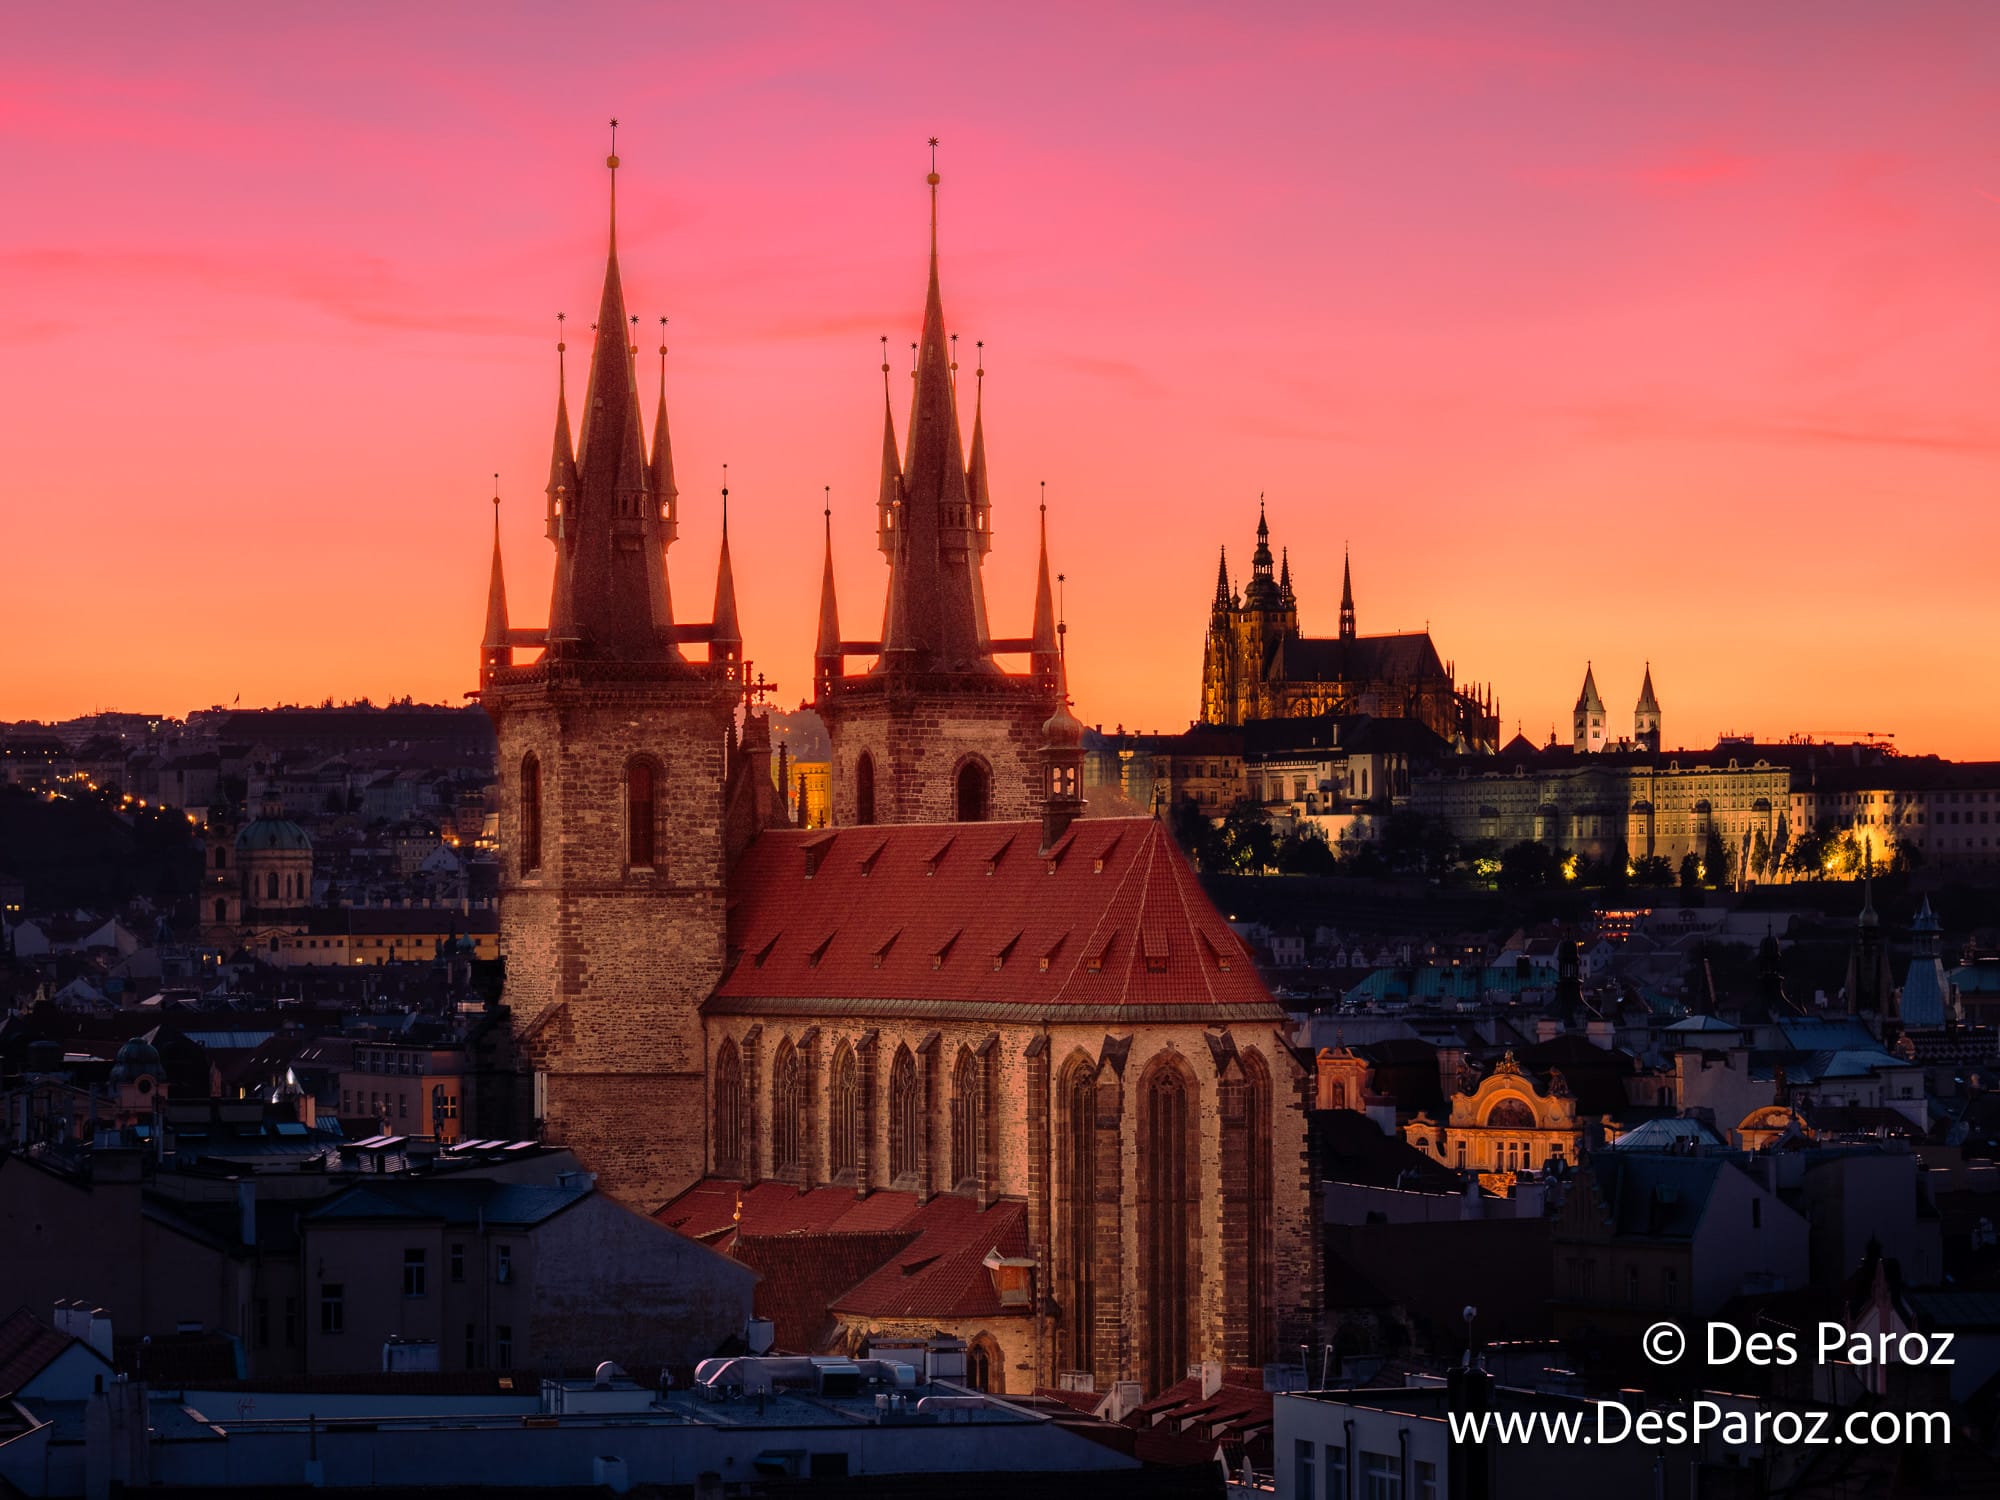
272	830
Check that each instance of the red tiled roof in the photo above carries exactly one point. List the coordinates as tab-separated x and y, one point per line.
883	1256
942	1272
972	916
803	1274
28	1346
1241	1401
709	1211
1086	1402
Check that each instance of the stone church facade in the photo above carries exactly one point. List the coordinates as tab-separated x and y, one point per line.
963	992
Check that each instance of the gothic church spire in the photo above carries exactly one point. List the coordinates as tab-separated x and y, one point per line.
936	606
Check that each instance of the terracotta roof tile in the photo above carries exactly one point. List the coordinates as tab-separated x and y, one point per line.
28	1346
710	1209
937	916
941	1273
803	1274
824	1250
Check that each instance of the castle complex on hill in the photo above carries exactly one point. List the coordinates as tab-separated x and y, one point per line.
1256	664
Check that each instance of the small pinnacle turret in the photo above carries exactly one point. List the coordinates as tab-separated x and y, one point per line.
562	493
1044	655
1062	765
1346	596
497	650
1646	716
826	652
1589	731
661	470
726	643
1262	590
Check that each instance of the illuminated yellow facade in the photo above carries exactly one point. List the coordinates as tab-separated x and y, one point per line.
1509	1122
1609	806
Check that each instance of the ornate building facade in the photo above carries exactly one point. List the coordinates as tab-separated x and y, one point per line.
1508	1122
1256	664
1033	1020
258	887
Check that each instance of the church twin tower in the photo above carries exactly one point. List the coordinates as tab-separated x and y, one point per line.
627	787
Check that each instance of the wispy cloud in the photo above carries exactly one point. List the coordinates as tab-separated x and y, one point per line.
1682	421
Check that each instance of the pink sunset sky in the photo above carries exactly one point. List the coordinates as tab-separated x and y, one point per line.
1619	333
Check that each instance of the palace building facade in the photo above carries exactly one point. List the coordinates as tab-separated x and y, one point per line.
1256	663
963	994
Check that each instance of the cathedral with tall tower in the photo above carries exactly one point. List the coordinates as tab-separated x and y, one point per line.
965	1009
615	748
935	730
1258	664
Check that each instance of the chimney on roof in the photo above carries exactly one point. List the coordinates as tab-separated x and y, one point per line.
96	1332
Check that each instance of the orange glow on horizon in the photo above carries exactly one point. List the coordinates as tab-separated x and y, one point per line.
1665	339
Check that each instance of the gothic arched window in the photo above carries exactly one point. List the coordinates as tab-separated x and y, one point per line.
905	1117
639	821
974	792
1078	1168
1169	1180
531	814
221	857
271	887
965	1122
844	1111
1260	1292
788	1112
864	789
728	1111
221	910
985	1365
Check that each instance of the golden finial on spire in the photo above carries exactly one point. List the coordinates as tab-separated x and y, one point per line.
829	507
954	359
1045	497
932	179
611	161
913	359
560	346
725	500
